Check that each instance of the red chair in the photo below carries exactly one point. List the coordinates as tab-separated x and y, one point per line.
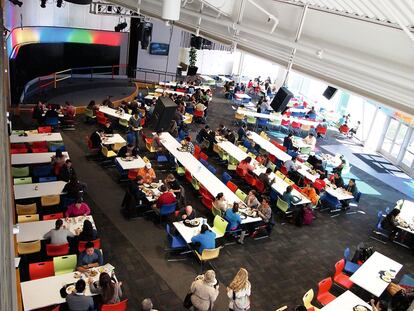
17	151
90	147
120	306
203	156
285	122
272	158
53	216
344	129
340	278
260	186
240	172
39	150
132	174
319	184
57	308
18	146
57	250
324	296
207	201
102	120
188	176
204	192
44	129
197	151
296	187
198	114
40	144
96	245
250	179
284	170
321	130
41	270
232	186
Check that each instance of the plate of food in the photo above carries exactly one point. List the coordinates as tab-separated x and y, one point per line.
386	276
93	273
70	289
146	185
154	185
360	308
194	222
77	275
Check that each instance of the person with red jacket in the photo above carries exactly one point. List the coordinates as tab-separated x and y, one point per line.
166	197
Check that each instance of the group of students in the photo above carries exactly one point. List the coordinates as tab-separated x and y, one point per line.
43	111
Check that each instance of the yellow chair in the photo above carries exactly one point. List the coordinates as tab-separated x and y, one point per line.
123	123
25	248
207	255
150	147
264	135
289	182
239	117
50	200
282	308
307	300
31	132
252	155
117	146
188	118
280	174
27	218
107	153
26	209
146	160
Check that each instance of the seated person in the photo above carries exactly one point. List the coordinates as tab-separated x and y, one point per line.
172	184
340	167
88	233
109	289
246	166
108	129
77	301
156	141
206	239
233	217
310	140
220	202
354	129
266	179
203	134
318	167
222	130
251	199
51	113
390	222
310	192
289	198
128	151
337	180
312	159
187	212
265	213
165	198
292	168
67	171
74	188
288	142
96	139
58	160
78	209
89	258
230	136
59	235
147	173
352	189
242	132
187	145
322	125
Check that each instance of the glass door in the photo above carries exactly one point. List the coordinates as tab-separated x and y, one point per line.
407	161
390	135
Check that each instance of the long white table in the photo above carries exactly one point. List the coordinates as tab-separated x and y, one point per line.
206	178
339	193
136	163
368	275
15	139
31	231
114	113
346	302
37	190
407	215
162	91
269	147
280	186
46	291
34	158
113	139
274	117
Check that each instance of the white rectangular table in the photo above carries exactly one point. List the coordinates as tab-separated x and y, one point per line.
206	178
304	171
31	231
242	96
46	291
136	163
114	113
274	117
161	91
407	214
345	302
280	187
188	232
37	190
339	193
15	139
269	147
150	97
34	158
113	139
368	275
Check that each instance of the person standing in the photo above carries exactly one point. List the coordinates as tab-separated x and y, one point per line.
239	292
204	291
135	126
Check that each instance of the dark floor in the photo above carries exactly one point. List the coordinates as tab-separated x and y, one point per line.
282	268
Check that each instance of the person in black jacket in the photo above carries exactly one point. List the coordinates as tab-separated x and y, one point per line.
288	143
108	129
96	138
390	223
67	171
128	151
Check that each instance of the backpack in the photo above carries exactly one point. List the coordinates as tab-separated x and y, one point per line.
307	216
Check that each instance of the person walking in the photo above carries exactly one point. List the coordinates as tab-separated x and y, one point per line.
239	291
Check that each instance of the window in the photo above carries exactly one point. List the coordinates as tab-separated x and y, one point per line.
390	135
408	158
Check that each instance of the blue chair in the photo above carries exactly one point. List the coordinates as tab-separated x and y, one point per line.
212	169
379	230
167	209
161	158
42	171
189	110
225	178
53	148
407	281
262	123
176	242
247	144
52	122
204	162
273	195
350	267
330	202
47	179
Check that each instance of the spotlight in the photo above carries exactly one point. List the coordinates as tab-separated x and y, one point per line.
43	3
59	3
16	2
121	26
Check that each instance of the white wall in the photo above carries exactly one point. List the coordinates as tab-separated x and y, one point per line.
211	62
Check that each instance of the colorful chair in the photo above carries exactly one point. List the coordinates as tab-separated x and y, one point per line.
27	218
120	306
96	245
232	186
219	226
41	270
64	264
26	209
53	216
340	278
50	200
324	296
20	171
22	181
241	195
307	300
57	250
208	255
350	267
25	248
175	242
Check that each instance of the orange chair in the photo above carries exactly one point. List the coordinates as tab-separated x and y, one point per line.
44	129
232	186
41	270
340	278
53	216
96	245
57	250
207	201
250	179
324	296
120	306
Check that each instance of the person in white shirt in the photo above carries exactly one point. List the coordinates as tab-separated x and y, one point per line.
310	140
239	291
147	305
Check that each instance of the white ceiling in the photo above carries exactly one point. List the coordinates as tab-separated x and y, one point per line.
364	46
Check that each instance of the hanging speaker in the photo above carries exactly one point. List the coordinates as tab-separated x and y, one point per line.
281	99
329	92
146	35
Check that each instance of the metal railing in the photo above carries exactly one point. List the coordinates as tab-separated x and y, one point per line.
154	76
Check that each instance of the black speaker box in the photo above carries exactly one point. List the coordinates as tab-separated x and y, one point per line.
281	99
329	92
163	114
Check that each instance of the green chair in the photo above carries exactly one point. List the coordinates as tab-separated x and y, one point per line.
251	121
89	114
124	123
22	181
272	166
216	211
195	184
283	207
64	264
220	226
180	170
20	171
18	132
232	164
241	195
223	155
305	150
